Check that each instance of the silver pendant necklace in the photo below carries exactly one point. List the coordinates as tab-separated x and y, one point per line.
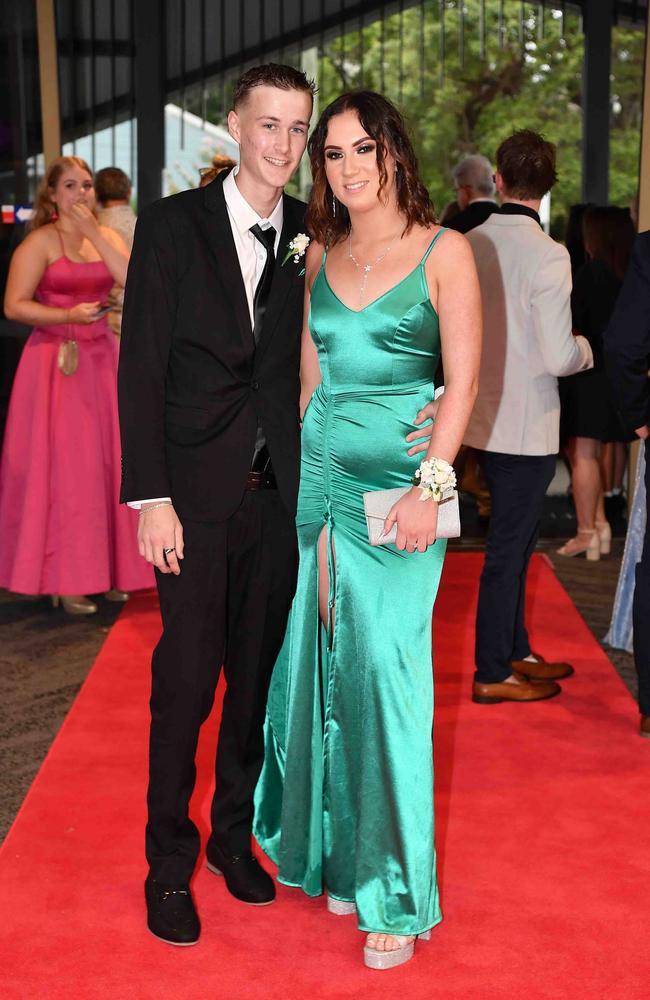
367	268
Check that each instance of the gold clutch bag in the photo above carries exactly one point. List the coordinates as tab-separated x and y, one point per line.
67	358
377	505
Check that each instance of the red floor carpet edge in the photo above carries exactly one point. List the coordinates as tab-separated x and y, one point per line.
542	833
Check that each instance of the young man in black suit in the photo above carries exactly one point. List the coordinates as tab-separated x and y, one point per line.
208	390
627	359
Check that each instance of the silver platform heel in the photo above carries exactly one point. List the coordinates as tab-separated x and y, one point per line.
374	959
340	907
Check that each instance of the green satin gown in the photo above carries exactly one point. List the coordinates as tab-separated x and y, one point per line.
344	803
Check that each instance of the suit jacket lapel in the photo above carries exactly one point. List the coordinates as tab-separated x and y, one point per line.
223	246
283	277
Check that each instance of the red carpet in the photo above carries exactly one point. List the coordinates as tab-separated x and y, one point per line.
543	835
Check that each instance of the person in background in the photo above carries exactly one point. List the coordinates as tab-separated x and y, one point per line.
63	530
626	347
449	212
219	163
113	192
621	631
525	280
614	455
474	187
574	239
588	413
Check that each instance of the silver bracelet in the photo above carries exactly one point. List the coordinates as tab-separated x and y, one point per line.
155	506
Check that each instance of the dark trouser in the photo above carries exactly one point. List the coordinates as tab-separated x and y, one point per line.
641	608
518	485
229	605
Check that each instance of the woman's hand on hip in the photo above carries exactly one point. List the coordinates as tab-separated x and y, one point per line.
160	538
423	435
417	521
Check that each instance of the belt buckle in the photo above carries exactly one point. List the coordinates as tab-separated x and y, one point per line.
254	480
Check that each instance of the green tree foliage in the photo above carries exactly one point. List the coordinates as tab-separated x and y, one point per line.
467	78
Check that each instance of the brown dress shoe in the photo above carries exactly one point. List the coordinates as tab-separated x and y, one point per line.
644	728
541	670
525	690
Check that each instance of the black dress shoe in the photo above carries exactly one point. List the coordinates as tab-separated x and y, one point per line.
245	878
171	915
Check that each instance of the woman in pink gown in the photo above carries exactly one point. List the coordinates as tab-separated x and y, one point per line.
63	531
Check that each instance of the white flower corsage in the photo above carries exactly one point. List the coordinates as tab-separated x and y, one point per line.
296	248
434	478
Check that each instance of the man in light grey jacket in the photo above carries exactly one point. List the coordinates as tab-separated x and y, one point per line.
525	282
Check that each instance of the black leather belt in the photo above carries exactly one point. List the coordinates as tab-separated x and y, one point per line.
261	480
261	475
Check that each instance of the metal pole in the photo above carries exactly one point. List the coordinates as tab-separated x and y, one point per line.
113	78
149	98
644	224
92	90
401	53
644	178
441	46
49	79
597	19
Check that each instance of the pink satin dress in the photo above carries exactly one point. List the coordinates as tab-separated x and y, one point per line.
62	530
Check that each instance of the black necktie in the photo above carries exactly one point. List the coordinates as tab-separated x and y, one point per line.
260	301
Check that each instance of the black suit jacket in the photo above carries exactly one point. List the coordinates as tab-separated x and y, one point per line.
472	216
626	340
192	384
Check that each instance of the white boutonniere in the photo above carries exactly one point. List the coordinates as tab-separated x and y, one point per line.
296	248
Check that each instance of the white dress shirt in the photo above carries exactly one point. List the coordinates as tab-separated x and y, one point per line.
250	252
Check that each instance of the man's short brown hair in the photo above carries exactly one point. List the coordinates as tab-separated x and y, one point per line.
112	184
271	75
526	162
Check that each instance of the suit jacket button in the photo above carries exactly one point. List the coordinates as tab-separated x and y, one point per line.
255	385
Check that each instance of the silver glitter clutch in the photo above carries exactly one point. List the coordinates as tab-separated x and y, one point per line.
377	505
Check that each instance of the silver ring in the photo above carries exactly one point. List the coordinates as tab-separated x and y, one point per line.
167	551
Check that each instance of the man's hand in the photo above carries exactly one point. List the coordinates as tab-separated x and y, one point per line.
159	530
428	412
642	432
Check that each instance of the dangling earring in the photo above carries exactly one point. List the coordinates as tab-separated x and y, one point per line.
334	205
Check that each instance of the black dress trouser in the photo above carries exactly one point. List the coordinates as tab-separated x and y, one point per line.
229	606
518	485
641	605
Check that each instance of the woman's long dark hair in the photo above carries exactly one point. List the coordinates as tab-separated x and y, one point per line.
384	124
608	235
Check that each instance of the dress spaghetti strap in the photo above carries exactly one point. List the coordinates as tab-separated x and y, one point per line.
442	230
59	234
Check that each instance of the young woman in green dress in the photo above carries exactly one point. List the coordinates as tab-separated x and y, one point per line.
345	800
